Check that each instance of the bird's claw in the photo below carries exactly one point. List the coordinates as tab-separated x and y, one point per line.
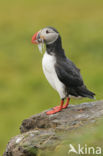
57	107
54	111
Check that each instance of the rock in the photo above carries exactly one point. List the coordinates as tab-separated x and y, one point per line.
43	131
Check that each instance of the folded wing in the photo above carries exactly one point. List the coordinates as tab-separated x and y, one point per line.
70	76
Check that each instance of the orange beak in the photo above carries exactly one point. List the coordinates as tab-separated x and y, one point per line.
34	38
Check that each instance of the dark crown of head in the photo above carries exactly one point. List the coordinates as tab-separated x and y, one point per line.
53	29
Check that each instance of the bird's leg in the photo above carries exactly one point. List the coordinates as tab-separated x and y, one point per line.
65	106
67	103
56	110
56	107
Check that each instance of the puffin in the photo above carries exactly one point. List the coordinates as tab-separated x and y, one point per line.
60	71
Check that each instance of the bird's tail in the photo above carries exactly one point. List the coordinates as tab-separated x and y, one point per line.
84	92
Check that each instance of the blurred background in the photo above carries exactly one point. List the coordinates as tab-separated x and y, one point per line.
24	91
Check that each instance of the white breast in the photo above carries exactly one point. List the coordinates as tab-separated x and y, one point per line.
48	63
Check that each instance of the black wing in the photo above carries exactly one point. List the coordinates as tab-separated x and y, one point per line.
70	76
68	73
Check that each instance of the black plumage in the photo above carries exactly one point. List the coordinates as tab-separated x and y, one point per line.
67	72
61	72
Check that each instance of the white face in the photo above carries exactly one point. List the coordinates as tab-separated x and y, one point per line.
49	35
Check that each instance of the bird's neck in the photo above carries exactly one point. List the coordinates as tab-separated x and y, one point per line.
55	48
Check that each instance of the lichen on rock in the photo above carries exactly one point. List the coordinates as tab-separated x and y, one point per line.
41	131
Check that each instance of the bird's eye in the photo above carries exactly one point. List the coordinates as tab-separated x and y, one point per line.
47	31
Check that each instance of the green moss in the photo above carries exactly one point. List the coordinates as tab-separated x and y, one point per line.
32	151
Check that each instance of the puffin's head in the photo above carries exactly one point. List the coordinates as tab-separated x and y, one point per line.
46	35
